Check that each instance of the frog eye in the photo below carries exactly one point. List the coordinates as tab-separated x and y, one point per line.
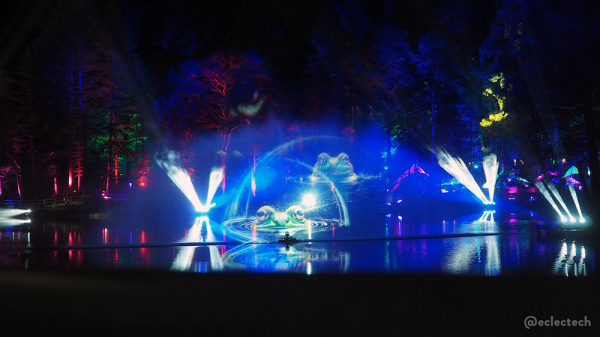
261	214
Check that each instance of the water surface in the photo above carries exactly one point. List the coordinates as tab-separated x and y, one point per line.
464	246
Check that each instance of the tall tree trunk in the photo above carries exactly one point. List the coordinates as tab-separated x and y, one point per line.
81	133
31	153
111	129
74	130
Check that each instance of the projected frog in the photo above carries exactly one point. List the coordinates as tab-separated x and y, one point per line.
336	169
267	216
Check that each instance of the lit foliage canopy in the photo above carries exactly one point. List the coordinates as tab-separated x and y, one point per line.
500	114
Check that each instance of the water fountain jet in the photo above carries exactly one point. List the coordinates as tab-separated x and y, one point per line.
552	188
490	168
182	180
576	201
540	186
457	168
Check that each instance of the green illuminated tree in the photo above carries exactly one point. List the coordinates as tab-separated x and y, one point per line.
78	82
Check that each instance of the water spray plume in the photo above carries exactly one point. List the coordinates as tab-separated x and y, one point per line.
561	201
180	177
540	186
243	194
182	180
216	176
490	168
576	201
9	213
457	168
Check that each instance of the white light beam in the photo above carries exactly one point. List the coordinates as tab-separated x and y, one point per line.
540	186
490	168
560	200
576	201
457	168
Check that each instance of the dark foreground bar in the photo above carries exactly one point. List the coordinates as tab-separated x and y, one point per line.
168	304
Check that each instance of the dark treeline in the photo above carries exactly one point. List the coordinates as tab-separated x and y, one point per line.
106	84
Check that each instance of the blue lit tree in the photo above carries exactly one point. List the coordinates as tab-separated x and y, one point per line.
336	78
551	77
393	75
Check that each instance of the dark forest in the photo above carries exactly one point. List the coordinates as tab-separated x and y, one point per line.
91	90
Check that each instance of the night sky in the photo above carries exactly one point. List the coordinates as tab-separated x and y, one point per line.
279	30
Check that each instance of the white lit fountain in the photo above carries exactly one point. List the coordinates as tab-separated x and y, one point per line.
10	217
457	168
550	192
320	199
180	177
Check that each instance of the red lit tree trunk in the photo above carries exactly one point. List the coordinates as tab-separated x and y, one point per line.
112	150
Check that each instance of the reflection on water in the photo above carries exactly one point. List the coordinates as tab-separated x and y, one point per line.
303	257
568	261
201	231
460	262
485	247
470	250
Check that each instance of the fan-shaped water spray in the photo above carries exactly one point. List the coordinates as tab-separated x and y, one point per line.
170	162
457	168
490	168
243	204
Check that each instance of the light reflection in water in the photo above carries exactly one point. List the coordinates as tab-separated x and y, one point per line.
184	258
565	261
467	248
482	255
301	257
492	263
